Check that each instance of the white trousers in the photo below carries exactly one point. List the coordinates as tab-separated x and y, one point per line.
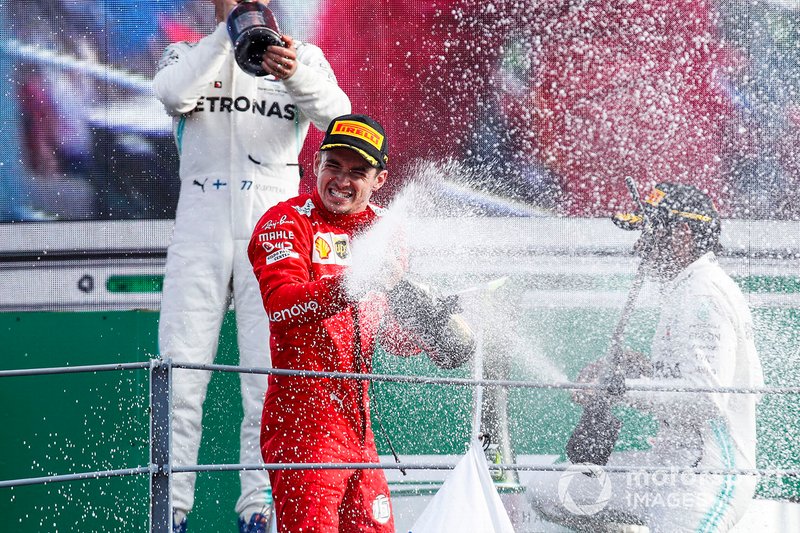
207	264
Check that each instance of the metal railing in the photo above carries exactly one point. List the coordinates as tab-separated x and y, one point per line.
160	467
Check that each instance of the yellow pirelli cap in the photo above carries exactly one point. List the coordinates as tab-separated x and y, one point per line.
672	202
360	133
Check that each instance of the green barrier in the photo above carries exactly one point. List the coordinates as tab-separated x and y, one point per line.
87	422
133	283
143	283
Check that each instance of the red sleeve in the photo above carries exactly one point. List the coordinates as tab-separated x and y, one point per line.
280	252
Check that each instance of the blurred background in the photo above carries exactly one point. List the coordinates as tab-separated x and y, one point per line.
522	115
552	102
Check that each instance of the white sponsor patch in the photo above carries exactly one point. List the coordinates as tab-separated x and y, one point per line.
331	249
381	509
280	255
306	209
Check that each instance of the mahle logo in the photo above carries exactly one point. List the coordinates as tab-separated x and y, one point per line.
592	491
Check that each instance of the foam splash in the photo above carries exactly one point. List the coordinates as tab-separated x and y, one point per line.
489	305
436	191
376	253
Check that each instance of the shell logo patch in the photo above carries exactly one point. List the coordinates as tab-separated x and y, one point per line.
331	249
322	248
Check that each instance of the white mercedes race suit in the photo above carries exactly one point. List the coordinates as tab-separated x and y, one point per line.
704	338
238	137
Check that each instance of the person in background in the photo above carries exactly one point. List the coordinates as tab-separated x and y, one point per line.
704	339
238	137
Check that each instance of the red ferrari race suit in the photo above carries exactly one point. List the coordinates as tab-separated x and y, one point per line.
299	253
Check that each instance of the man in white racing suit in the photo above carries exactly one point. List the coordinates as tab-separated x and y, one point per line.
238	137
704	338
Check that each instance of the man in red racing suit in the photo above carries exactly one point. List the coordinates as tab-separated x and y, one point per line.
300	252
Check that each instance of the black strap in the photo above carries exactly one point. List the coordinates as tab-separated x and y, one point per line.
360	368
364	367
388	440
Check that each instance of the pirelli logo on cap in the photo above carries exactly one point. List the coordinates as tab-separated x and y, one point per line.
359	131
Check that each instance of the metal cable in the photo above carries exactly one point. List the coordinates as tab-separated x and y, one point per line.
765	472
394	378
76	477
400	378
760	472
75	369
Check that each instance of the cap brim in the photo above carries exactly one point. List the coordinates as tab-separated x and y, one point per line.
371	160
628	221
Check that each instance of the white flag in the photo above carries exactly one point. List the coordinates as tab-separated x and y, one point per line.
467	501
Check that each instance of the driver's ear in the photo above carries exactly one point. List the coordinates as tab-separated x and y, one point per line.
380	179
317	161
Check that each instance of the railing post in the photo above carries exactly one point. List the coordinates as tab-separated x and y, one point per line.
160	446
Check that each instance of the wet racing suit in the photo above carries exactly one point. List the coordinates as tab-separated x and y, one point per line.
704	338
299	253
238	137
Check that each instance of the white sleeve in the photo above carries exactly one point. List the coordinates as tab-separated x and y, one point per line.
314	89
185	70
701	353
